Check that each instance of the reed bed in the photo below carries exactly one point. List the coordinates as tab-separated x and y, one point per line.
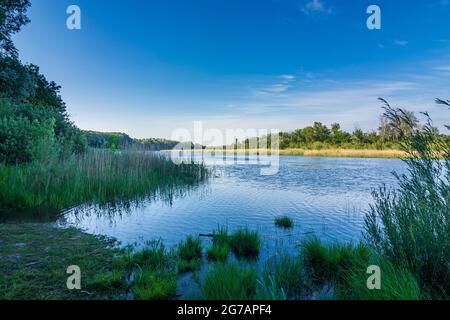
335	152
97	177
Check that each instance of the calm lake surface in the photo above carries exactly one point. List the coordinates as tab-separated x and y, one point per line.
326	197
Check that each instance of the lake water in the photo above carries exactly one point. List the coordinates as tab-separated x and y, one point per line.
326	197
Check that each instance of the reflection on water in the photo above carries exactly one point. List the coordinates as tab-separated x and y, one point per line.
326	197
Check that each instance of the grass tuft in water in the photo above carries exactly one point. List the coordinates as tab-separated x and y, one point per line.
245	244
284	274
218	253
221	237
153	285
397	283
284	222
229	282
190	254
331	263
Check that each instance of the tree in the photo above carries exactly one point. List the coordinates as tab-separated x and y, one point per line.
12	18
321	132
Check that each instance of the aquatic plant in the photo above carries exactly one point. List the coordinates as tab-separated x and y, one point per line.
190	254
397	283
284	274
97	177
332	262
410	225
218	253
245	243
284	222
221	237
229	282
152	285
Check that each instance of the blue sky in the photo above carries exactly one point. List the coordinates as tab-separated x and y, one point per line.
149	67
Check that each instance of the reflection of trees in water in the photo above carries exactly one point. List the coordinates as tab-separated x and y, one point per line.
114	212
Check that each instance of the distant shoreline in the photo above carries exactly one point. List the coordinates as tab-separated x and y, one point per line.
339	153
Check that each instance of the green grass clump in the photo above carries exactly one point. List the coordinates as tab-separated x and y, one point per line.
152	285
245	244
190	254
397	283
333	262
221	237
229	282
284	274
189	265
284	222
154	272
218	253
109	281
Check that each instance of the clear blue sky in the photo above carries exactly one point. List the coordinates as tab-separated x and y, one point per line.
150	67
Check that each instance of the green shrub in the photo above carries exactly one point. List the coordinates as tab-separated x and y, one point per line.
245	244
284	222
229	282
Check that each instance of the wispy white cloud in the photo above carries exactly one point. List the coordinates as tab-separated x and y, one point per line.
283	85
402	43
316	6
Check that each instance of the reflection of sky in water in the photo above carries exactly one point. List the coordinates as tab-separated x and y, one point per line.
326	197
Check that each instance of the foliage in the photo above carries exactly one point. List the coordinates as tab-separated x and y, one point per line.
12	18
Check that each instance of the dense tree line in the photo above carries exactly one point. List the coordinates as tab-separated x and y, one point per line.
388	136
116	140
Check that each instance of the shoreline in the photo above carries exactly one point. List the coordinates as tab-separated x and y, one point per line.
338	153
